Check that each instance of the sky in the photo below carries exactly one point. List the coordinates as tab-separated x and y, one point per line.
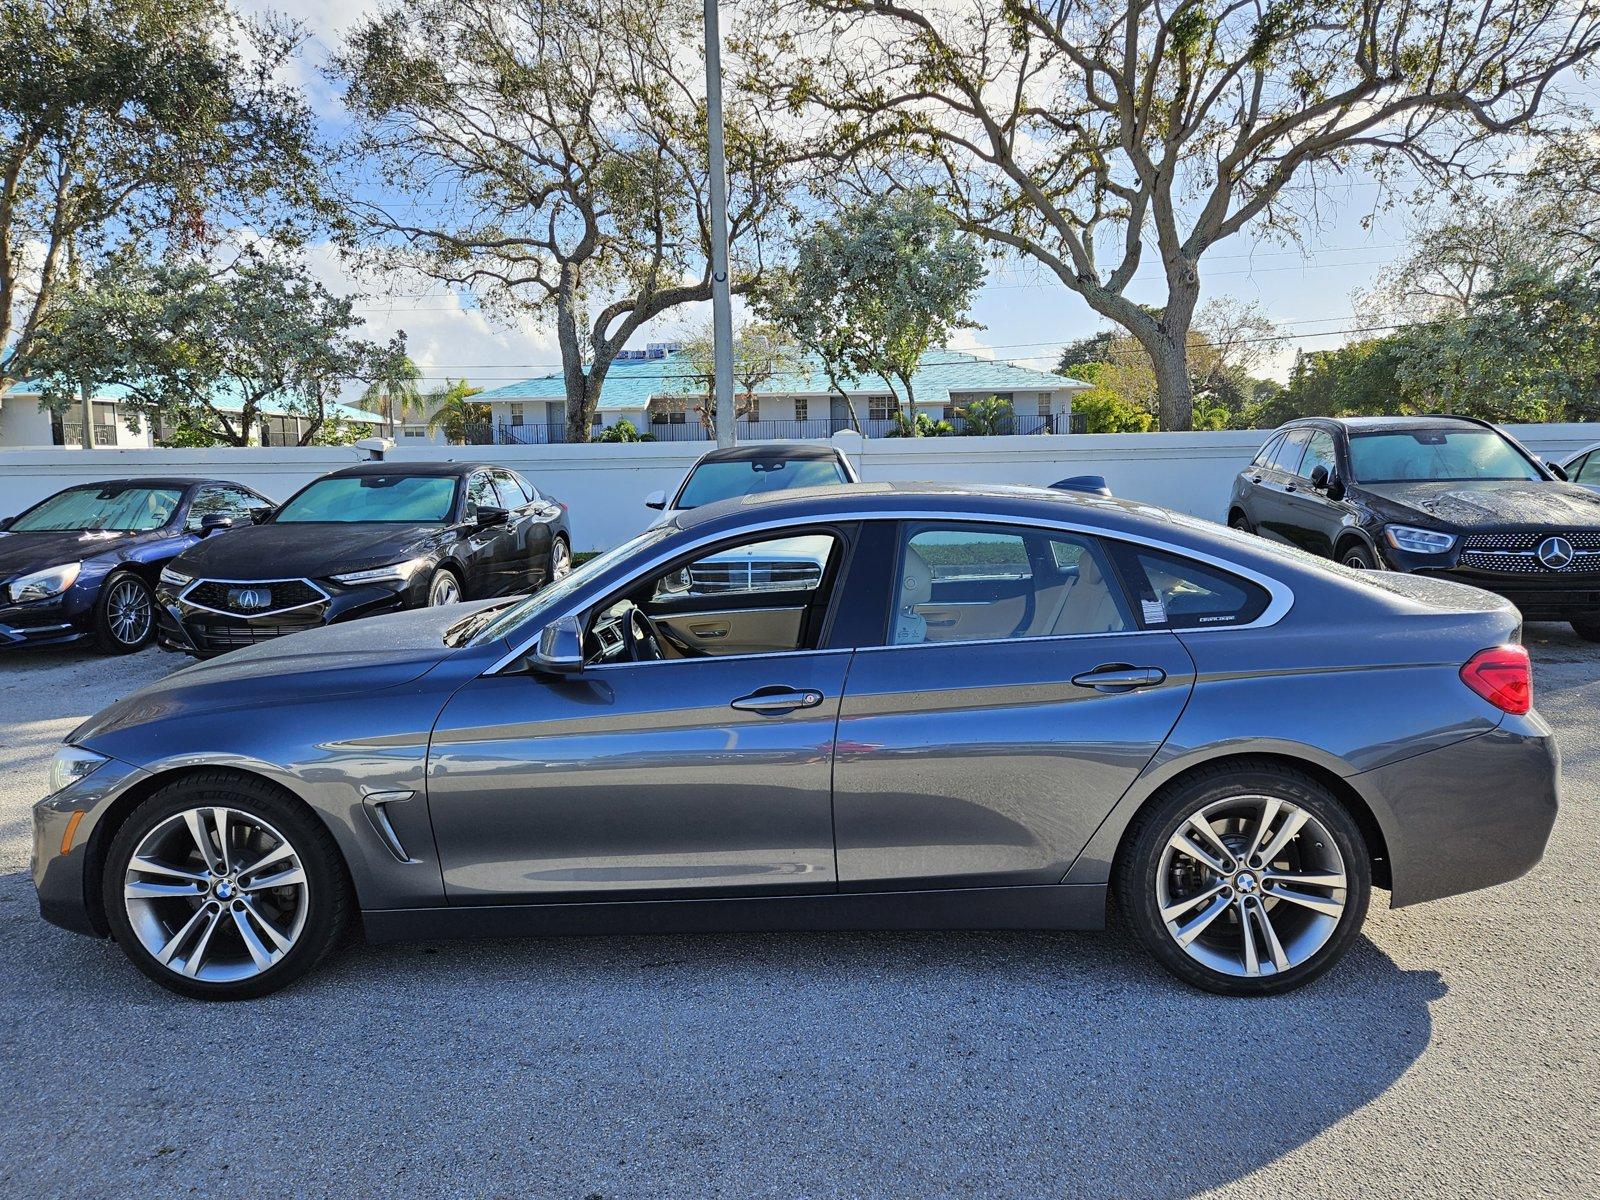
1025	316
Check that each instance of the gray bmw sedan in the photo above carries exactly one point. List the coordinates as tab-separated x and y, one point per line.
950	708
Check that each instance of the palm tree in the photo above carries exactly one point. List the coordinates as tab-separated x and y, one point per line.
394	394
452	410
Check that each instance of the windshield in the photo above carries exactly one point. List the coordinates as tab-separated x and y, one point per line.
713	481
401	499
98	506
1438	455
507	619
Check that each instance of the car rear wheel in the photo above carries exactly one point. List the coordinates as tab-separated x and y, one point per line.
1246	880
221	888
443	588
125	614
560	559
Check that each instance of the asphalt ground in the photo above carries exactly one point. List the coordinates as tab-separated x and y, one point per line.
1453	1053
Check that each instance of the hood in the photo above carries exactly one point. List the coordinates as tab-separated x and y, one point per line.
1494	504
23	553
313	551
360	657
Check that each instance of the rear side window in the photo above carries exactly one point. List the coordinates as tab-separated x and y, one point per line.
1180	593
1287	456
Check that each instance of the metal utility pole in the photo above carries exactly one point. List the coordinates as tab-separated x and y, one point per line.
721	302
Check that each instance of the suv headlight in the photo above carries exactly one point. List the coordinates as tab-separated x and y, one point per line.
1419	541
400	572
175	578
41	585
71	764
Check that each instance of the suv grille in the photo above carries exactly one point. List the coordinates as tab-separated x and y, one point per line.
269	596
222	633
1518	553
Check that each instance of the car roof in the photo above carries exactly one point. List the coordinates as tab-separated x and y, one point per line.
452	469
763	451
1395	423
169	481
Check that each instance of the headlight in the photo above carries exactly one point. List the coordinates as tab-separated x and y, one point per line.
71	764
41	585
175	578
1418	541
400	572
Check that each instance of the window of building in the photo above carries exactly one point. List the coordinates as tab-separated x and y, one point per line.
802	410
669	412
1044	404
516	414
882	408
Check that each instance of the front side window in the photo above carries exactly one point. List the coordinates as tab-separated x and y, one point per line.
1438	455
1319	453
966	583
713	481
123	509
767	596
481	494
1180	593
357	499
1588	470
226	502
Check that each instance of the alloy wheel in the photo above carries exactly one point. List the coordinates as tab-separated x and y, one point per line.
560	560
129	611
1251	885
444	589
216	894
1356	560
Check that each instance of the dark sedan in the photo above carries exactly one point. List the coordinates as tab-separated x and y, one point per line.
1447	496
82	565
375	538
989	708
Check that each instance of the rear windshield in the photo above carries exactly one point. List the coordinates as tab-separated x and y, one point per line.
123	509
715	481
1439	455
405	499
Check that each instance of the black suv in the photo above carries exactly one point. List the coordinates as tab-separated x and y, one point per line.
1451	496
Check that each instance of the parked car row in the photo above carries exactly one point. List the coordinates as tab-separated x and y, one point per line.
207	565
1447	497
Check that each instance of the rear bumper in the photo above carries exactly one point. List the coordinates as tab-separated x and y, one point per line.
1469	815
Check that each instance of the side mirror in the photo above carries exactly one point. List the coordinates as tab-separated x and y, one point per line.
488	514
212	522
1558	471
1319	477
262	515
656	500
560	647
5	522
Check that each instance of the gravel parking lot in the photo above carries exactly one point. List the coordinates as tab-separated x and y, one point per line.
1454	1053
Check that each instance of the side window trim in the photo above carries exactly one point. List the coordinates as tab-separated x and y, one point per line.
1265	455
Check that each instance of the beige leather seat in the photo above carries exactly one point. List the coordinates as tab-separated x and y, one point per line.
916	587
1088	606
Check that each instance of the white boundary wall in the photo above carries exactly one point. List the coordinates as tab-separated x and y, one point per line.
605	485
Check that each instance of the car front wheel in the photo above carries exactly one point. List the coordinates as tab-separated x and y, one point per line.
1246	880
221	888
1588	628
125	615
560	559
443	588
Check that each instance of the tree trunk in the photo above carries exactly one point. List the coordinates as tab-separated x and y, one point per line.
1174	394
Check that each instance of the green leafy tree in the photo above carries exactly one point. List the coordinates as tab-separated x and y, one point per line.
550	157
1096	137
396	392
192	346
922	425
763	351
453	412
989	417
132	123
624	430
1105	410
871	291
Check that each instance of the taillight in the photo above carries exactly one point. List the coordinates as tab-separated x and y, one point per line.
1503	676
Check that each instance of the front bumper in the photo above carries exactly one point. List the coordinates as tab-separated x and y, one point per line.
204	631
57	621
1468	815
65	874
1506	566
1552	598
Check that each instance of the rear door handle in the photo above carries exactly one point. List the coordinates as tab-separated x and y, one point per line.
775	701
1119	677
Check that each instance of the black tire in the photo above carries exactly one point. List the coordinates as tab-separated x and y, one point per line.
1139	864
1241	522
442	579
329	896
112	632
1358	556
1588	628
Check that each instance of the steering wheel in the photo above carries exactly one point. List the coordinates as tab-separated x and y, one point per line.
642	643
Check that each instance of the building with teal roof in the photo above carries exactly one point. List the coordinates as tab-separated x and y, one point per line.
662	394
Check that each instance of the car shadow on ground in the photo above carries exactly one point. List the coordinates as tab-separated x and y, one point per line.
818	1064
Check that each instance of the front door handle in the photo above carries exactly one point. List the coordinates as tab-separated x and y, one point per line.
1119	677
776	700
